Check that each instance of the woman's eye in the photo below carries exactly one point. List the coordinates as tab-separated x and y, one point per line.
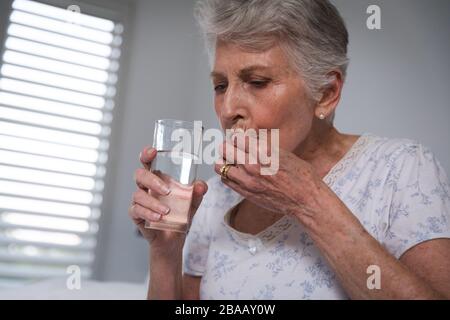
220	88
259	83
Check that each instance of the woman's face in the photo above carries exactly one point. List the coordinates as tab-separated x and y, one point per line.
260	90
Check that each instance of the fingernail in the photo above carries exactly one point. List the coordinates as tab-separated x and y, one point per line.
165	210
165	189
150	151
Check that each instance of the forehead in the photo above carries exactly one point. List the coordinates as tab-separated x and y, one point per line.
230	57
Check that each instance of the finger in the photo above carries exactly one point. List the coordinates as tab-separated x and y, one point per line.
236	187
247	141
137	212
268	148
234	155
235	173
200	189
147	201
250	163
151	181
146	156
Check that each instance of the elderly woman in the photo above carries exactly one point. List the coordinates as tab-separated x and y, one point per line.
345	216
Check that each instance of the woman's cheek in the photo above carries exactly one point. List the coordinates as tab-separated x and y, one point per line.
292	136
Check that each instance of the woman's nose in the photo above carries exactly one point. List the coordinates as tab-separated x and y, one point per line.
233	107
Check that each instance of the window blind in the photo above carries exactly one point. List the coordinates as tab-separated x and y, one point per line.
57	85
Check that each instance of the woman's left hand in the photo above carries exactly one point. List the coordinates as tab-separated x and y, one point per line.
294	189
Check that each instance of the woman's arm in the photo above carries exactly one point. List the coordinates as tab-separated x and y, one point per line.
350	250
165	272
191	287
297	190
430	260
166	279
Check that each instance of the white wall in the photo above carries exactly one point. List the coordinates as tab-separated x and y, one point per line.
158	84
397	86
398	83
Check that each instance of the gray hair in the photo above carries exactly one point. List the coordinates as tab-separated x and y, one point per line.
311	33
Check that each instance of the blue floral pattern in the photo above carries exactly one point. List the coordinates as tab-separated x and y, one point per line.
395	187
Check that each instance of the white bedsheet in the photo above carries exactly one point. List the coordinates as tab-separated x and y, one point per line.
56	289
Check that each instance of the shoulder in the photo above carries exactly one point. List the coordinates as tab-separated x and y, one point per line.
399	155
411	172
393	148
406	190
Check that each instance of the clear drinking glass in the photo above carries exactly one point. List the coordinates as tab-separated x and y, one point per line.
178	144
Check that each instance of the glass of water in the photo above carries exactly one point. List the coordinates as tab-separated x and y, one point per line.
179	145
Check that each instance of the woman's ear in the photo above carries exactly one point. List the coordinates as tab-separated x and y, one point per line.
331	95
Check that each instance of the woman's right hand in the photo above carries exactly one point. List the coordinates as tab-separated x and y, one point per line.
145	207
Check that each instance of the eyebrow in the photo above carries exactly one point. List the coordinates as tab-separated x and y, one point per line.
243	72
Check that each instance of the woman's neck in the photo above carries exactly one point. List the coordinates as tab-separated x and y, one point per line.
324	147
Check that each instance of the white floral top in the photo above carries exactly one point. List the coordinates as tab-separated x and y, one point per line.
395	187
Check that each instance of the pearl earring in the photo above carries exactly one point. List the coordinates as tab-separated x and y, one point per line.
321	116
